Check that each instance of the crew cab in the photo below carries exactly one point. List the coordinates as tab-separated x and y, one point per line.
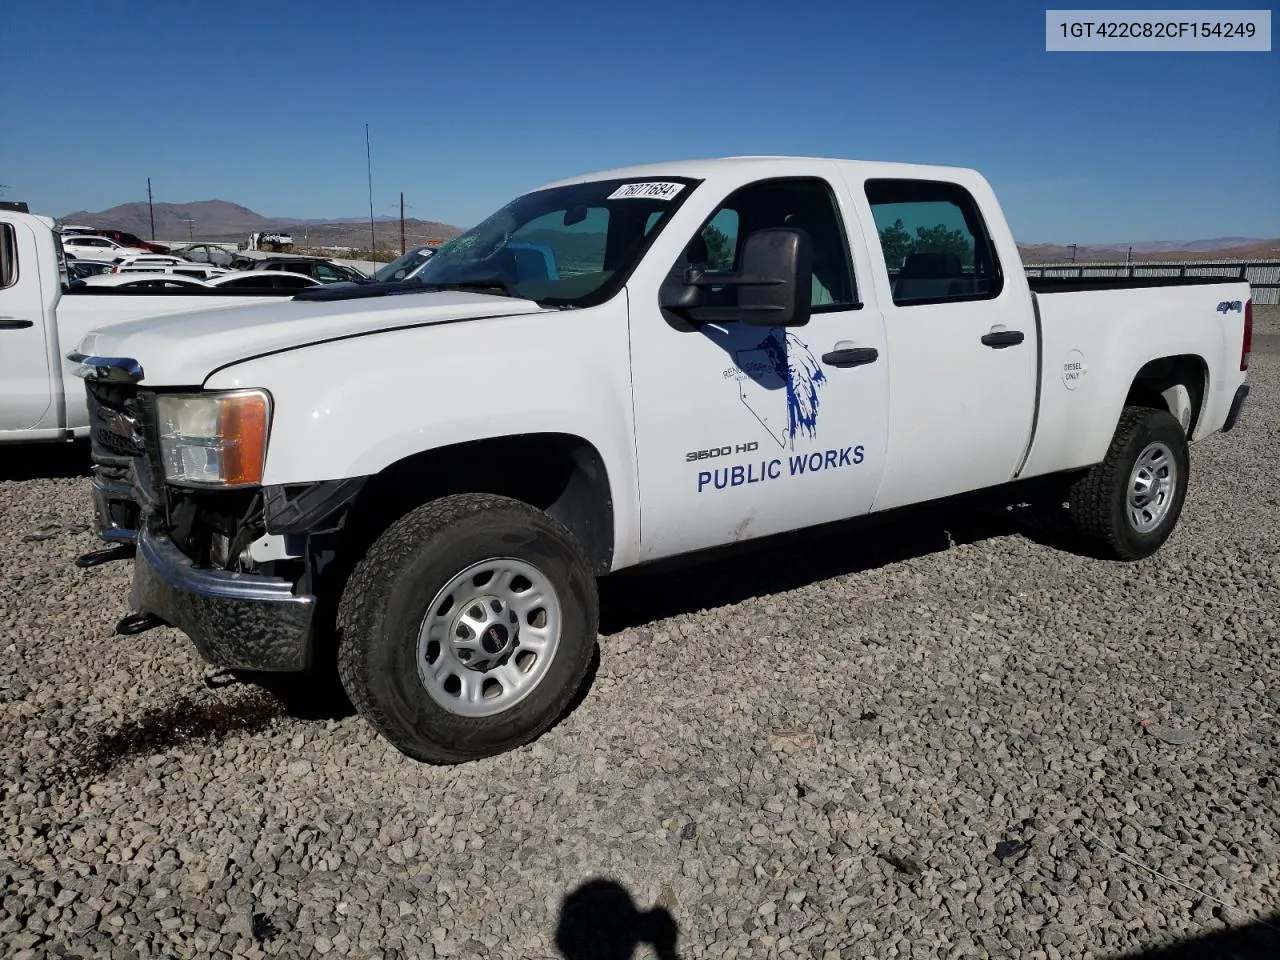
421	482
44	311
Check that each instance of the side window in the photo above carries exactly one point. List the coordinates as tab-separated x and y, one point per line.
807	204
325	272
8	255
936	247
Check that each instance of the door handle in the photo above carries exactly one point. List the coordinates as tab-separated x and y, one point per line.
851	356
13	323
999	339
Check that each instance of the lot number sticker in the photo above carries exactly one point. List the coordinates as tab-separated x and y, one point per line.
655	189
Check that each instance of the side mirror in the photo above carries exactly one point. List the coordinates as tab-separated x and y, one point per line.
773	286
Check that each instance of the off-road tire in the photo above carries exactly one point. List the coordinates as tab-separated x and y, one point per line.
1098	500
387	596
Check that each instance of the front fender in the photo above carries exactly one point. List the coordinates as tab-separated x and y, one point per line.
352	407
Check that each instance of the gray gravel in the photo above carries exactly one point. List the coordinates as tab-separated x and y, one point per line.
900	748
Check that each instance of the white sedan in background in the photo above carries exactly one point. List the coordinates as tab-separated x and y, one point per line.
262	280
98	248
142	281
237	280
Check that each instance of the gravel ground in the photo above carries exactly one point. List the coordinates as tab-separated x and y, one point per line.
949	739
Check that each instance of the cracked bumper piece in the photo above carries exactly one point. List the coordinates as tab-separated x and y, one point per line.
238	620
115	510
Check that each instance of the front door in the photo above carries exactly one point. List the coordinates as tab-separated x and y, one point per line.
26	394
744	431
963	340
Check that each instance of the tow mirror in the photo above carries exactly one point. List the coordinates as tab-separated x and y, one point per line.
772	286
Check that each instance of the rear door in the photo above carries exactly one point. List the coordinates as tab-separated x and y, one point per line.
26	393
961	337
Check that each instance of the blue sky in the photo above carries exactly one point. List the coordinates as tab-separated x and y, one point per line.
469	105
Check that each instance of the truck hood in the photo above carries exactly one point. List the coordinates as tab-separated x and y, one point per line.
182	349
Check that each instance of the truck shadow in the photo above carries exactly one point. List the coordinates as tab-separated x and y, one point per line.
772	565
44	461
1259	939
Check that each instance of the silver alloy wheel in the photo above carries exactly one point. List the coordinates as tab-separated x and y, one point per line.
489	637
1152	485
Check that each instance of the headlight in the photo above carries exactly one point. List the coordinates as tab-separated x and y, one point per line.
214	439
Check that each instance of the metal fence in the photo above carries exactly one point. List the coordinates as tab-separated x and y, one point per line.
1263	275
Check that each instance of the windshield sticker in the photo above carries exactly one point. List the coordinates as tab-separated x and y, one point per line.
652	190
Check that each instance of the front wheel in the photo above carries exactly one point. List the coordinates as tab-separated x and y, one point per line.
467	628
1128	505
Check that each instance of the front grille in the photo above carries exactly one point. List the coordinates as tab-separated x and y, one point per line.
116	422
123	454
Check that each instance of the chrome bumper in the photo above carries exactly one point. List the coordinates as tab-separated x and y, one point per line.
239	620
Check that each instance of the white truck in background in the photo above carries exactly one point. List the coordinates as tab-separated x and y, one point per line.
274	241
420	483
41	318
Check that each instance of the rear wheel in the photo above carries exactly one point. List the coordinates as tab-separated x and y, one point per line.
467	627
1128	505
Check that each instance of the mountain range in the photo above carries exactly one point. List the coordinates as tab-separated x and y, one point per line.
1218	248
220	220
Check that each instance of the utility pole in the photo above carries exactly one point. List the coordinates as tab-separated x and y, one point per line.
1073	253
152	210
190	229
402	223
368	154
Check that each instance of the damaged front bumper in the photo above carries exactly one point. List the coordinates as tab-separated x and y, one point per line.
235	570
237	620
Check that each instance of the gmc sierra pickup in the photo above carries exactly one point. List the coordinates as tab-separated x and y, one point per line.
433	474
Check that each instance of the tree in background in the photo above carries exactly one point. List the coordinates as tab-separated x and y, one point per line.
898	244
719	249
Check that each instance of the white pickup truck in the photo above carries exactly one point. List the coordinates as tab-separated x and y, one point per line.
41	317
422	482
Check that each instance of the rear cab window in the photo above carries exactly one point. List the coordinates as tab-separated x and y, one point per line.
934	241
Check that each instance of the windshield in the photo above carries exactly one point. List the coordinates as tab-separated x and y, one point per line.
403	265
566	246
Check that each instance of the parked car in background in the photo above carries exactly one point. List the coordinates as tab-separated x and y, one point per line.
78	269
141	281
405	266
175	265
211	253
318	268
262	280
130	240
98	248
148	259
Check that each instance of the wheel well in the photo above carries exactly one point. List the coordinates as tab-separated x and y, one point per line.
559	473
1157	385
